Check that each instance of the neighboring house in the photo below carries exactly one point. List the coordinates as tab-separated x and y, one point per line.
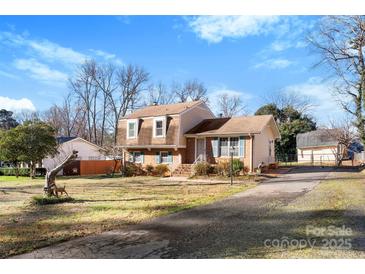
90	160
318	146
184	133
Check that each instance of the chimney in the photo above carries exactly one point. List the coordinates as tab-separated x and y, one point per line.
154	103
220	115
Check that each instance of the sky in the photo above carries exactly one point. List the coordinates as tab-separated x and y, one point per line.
252	56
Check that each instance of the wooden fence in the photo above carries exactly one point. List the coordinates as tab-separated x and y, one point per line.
91	167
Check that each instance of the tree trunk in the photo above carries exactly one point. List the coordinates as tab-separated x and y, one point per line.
50	180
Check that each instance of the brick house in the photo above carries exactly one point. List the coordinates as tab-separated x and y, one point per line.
182	133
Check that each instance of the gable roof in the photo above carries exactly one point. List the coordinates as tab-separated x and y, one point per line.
64	139
69	139
235	125
317	138
161	110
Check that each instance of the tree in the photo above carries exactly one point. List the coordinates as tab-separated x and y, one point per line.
190	90
11	148
340	42
37	141
230	105
290	122
6	120
130	80
159	94
343	132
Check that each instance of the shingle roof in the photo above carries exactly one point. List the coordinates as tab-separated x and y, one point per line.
319	137
234	125
161	110
64	139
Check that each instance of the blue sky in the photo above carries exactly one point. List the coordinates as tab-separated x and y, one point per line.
246	55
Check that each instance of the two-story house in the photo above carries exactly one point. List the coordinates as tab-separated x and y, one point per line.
183	133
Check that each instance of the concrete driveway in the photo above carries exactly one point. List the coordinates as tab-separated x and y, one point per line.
225	228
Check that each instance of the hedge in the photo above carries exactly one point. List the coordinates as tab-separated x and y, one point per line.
10	171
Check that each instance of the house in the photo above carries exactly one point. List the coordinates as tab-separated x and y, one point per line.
91	158
322	146
184	133
318	146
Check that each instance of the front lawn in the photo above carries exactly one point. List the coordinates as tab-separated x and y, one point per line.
99	204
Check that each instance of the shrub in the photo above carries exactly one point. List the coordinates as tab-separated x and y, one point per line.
223	168
132	169
237	166
10	171
202	168
45	200
149	169
161	170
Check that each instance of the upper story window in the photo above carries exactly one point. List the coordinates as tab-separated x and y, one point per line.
132	129
159	126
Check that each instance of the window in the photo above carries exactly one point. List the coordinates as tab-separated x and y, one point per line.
224	147
132	129
164	157
136	157
234	143
159	127
226	144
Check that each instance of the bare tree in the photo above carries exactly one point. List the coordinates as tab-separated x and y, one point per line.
283	99
230	104
345	134
104	77
340	41
130	80
159	94
190	90
67	118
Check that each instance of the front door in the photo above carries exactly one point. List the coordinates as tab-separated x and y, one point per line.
200	149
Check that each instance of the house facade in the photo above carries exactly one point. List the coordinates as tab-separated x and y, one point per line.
318	146
184	133
91	158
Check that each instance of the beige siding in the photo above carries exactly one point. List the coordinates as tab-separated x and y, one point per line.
191	118
261	147
145	132
319	154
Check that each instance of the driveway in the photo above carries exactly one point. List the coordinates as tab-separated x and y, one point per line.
226	228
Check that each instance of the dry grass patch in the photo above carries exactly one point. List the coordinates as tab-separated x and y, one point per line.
99	204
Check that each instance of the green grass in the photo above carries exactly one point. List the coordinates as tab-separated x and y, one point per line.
45	200
100	204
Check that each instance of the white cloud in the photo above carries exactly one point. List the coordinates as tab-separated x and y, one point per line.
215	28
43	48
8	75
320	93
109	57
275	63
40	71
16	105
223	90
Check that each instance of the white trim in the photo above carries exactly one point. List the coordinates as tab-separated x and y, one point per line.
229	147
135	122
164	122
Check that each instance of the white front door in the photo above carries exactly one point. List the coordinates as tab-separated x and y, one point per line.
200	149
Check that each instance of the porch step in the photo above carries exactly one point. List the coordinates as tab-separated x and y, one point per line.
183	170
